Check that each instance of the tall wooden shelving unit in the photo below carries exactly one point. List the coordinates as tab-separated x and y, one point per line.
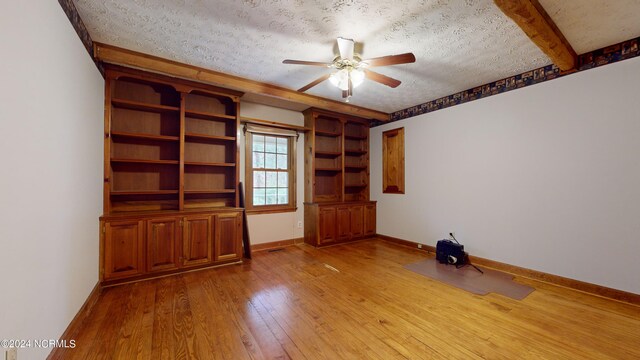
171	171
337	206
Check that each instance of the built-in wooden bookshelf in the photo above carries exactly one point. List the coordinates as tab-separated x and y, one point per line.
171	176
171	146
337	178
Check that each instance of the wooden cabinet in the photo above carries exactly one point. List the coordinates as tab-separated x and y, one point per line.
370	219
356	215
343	219
330	223
138	246
123	249
326	225
171	168
337	206
228	236
163	237
197	240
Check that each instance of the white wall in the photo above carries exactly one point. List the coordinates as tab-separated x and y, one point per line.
51	110
546	177
265	228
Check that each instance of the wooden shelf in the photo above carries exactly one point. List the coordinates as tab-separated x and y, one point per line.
328	133
353	167
150	192
198	163
208	116
209	137
144	136
355	186
136	105
205	192
328	153
329	169
355	152
355	137
146	161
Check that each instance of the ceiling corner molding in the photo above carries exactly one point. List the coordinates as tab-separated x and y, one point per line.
119	56
531	17
70	10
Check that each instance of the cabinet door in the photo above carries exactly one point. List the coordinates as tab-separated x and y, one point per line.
228	236
123	248
370	220
197	244
326	225
343	217
163	238
357	220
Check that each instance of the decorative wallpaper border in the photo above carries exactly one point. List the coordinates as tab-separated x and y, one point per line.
74	17
608	55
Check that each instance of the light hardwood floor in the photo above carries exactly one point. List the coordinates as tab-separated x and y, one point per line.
288	304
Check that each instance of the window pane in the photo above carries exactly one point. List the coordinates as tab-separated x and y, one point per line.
270	144
272	195
258	142
272	179
258	196
283	195
258	160
282	162
283	179
270	161
259	179
282	145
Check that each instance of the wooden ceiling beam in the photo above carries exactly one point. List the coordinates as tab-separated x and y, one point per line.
531	17
115	55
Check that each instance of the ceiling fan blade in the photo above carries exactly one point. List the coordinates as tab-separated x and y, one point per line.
314	83
382	79
391	60
345	46
301	62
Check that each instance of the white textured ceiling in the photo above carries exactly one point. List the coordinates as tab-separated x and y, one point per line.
458	44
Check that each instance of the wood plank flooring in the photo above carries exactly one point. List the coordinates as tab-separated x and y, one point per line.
290	305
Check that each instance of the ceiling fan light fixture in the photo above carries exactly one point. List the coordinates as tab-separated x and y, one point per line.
357	76
340	79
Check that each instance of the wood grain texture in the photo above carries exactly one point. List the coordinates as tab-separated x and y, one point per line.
589	288
393	161
114	55
531	17
290	305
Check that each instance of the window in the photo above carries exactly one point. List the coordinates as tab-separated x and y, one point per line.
270	170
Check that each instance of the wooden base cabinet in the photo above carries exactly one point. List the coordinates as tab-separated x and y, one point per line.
135	247
197	240
331	223
123	249
163	236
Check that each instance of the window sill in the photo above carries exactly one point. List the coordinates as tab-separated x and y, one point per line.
257	211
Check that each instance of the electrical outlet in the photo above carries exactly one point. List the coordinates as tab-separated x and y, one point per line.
11	354
299	224
419	246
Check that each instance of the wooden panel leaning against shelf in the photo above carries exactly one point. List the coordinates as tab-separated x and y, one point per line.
170	152
337	178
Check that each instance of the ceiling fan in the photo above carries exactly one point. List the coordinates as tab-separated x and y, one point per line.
350	69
